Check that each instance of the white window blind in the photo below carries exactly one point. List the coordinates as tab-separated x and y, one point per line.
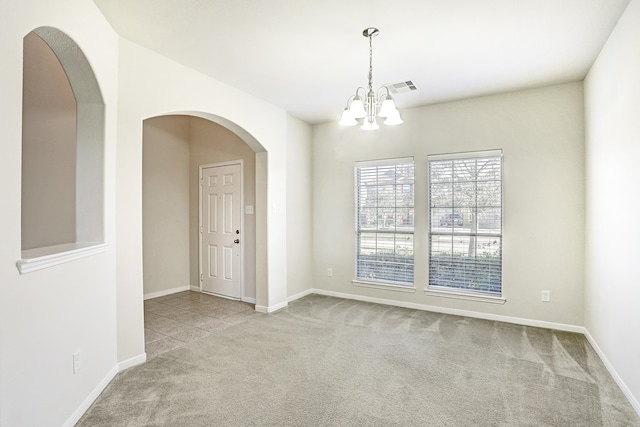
465	222
384	221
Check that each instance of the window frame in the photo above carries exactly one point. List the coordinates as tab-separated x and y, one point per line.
465	293
383	283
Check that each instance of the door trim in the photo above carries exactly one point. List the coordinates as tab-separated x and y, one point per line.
242	246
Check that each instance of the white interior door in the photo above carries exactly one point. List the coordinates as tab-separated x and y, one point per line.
220	255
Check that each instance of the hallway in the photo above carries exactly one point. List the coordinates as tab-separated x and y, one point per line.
174	320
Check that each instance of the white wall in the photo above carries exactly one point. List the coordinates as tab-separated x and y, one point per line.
94	305
149	86
299	212
541	134
165	203
47	315
612	99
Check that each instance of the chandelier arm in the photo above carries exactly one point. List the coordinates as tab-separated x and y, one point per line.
350	99
385	95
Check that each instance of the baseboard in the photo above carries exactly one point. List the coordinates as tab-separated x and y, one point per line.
243	299
300	295
134	361
167	292
271	308
612	371
453	311
86	404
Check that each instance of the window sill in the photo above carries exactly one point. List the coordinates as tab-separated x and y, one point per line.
387	286
40	258
469	296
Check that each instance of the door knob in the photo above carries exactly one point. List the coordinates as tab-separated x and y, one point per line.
236	241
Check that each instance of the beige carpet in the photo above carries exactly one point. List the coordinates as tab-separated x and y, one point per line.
331	362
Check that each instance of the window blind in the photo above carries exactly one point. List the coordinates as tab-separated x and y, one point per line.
465	222
384	221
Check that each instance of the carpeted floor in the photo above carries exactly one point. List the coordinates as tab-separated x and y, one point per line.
325	361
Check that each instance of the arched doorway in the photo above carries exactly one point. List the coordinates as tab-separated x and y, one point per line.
174	149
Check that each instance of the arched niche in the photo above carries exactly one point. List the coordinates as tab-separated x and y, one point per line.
83	186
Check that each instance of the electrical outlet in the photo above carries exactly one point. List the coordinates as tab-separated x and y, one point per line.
76	362
330	272
546	296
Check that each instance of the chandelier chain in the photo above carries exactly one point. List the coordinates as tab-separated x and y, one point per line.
370	63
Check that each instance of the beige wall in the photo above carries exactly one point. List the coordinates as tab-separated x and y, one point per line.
212	143
165	204
612	100
48	149
173	149
541	134
299	212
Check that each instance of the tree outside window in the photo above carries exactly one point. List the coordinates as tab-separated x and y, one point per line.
465	227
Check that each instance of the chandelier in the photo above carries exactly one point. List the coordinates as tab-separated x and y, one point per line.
365	104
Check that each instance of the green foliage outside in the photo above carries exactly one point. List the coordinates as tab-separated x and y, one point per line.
482	273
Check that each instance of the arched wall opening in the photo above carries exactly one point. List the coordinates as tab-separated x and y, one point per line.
174	147
63	150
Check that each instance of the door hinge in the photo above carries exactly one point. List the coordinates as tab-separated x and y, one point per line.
201	229
202	277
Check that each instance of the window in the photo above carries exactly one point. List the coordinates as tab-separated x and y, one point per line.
384	221
465	223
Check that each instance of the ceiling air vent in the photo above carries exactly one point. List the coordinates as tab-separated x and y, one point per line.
402	87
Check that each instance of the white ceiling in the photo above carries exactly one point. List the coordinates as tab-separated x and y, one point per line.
308	56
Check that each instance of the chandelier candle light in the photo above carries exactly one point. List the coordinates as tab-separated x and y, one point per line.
372	106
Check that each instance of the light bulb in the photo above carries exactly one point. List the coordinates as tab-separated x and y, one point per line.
347	119
387	108
394	119
357	108
367	125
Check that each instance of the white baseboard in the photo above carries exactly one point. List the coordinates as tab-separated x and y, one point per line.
271	308
300	295
78	413
134	361
632	399
444	310
167	292
244	299
86	404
